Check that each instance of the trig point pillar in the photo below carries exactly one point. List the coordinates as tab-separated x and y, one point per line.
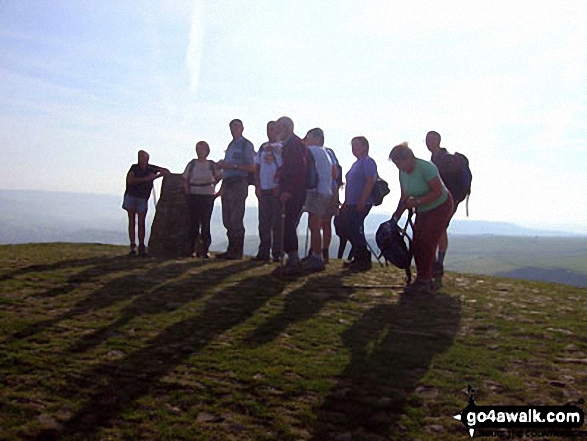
169	232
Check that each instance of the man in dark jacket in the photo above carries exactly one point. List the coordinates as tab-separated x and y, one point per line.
292	190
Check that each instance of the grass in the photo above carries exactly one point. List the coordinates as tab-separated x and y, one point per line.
97	345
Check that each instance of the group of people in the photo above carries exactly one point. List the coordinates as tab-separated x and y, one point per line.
292	175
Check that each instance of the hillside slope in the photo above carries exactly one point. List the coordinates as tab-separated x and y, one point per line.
98	345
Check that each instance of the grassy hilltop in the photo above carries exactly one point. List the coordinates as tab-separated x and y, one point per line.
98	345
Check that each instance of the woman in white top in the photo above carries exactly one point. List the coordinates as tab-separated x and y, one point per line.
199	178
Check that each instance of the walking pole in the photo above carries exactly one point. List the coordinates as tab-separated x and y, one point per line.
307	235
281	245
373	252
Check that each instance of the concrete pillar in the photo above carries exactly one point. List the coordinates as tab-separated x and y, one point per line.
169	232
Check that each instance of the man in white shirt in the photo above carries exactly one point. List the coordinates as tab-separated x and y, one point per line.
267	162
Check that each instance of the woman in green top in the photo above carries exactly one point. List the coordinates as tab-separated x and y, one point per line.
424	191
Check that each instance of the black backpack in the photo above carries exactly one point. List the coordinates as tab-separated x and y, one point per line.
334	159
311	171
456	175
393	248
380	190
250	175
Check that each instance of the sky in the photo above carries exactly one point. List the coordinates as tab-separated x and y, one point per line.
85	84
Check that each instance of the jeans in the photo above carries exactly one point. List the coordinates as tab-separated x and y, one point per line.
269	224
353	223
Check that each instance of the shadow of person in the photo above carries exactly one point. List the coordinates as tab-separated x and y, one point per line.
106	263
301	304
112	387
392	346
116	290
164	297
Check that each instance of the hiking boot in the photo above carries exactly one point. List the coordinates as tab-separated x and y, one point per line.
360	265
419	286
259	258
436	283
292	267
437	273
223	255
348	263
276	259
325	256
143	251
438	269
362	261
313	263
133	250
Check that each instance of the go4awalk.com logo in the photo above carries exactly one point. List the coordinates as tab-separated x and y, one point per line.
540	418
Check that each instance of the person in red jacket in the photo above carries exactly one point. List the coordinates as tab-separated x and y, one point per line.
292	190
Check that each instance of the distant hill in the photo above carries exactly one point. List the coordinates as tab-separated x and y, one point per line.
492	248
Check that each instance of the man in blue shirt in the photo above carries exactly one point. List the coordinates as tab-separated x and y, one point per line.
238	162
358	201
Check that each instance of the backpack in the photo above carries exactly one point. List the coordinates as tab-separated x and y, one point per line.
191	168
311	171
250	175
393	247
456	175
380	190
334	160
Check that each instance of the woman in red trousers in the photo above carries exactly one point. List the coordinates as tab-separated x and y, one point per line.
422	190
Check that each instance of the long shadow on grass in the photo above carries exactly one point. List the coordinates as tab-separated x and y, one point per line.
392	346
163	298
132	377
101	266
301	304
117	290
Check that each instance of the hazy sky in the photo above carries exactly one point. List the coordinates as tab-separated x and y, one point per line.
85	84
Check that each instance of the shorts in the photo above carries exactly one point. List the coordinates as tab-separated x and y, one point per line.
132	203
318	204
333	205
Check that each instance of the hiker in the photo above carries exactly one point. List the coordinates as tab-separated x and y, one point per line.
199	182
333	205
422	190
292	190
139	184
358	201
267	162
453	181
318	198
238	162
